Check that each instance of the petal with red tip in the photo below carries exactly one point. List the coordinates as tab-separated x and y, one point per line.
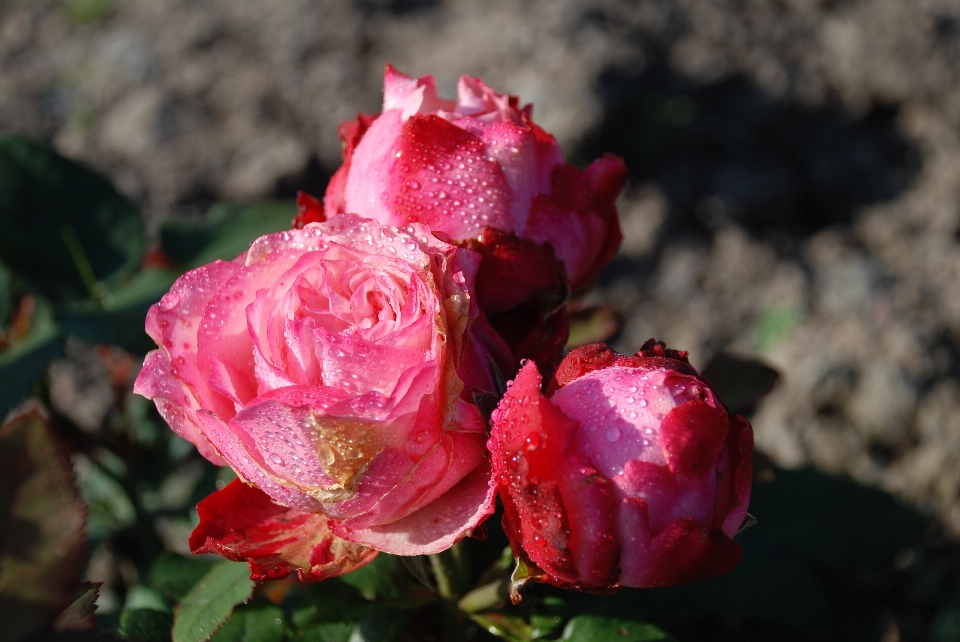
240	523
692	435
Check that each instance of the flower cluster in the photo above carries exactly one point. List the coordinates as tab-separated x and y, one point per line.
345	369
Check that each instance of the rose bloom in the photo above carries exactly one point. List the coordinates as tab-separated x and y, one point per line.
630	472
333	369
479	170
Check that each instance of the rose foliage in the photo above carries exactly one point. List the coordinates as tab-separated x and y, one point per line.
344	369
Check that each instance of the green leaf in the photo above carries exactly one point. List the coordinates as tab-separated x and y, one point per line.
227	231
175	574
119	318
381	624
22	365
63	227
829	521
206	607
387	578
546	615
259	621
329	632
41	527
6	296
146	625
592	628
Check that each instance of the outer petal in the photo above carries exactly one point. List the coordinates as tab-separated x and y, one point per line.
528	439
687	552
579	217
309	210
240	523
741	465
515	271
591	513
438	525
171	375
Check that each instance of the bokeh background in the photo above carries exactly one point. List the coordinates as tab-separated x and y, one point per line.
794	189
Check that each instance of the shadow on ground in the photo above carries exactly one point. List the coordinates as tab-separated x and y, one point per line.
729	153
829	559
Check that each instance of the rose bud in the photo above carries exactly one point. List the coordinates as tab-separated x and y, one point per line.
631	473
479	170
333	369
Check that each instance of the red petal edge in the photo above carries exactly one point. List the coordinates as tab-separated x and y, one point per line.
241	523
309	210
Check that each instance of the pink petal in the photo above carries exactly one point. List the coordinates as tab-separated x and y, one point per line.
175	403
370	171
437	526
443	180
172	371
513	148
239	449
281	425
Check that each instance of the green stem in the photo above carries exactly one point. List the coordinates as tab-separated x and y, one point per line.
444	587
82	263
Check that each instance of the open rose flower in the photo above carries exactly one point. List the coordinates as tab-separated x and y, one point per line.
631	473
479	170
332	367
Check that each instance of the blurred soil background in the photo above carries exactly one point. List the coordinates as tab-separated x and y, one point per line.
795	169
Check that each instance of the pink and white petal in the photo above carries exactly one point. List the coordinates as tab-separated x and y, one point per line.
282	426
240	452
389	468
442	467
174	323
438	525
402	92
240	523
175	401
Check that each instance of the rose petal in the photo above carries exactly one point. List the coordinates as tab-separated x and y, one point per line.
438	525
692	435
171	372
242	524
369	176
239	449
686	552
591	514
439	162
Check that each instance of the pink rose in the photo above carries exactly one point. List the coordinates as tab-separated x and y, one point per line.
631	473
332	368
479	170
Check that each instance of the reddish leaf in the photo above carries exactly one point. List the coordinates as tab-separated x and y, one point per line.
41	526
